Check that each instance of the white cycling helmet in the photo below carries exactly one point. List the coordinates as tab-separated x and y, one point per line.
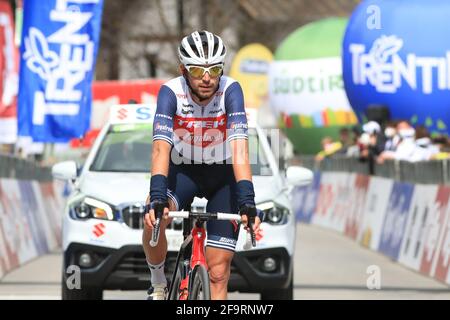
192	49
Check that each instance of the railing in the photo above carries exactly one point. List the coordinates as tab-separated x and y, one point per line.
425	172
16	168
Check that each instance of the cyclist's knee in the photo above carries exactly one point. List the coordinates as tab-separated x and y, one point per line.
219	272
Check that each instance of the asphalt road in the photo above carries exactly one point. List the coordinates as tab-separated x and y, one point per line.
327	266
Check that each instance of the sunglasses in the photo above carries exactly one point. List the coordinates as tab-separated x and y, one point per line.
199	71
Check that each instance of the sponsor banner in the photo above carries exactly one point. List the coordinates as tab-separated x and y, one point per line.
305	200
59	46
423	204
357	199
9	79
442	272
434	233
326	200
342	204
109	93
250	68
374	210
45	216
16	241
311	89
395	219
30	210
53	204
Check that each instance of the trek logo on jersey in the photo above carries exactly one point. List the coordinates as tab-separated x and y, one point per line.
205	123
201	131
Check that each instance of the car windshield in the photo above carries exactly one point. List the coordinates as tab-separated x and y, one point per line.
127	148
258	158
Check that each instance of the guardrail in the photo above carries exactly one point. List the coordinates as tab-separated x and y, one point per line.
21	169
424	172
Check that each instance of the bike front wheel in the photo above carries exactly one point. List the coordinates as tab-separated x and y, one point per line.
200	289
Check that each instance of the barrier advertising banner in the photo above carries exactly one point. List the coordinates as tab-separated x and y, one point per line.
434	232
395	219
305	203
326	200
423	204
358	198
377	198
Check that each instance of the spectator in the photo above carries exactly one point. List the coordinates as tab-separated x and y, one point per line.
328	148
345	140
406	147
391	136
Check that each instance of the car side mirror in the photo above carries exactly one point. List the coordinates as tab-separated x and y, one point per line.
298	176
66	170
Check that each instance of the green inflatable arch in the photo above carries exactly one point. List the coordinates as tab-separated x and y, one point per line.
319	39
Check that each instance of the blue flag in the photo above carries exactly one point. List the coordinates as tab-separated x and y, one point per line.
58	50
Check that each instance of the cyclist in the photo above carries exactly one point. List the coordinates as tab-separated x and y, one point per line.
200	148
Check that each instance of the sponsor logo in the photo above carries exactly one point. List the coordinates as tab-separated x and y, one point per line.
181	96
205	124
183	111
383	68
238	126
236	114
160	115
163	127
98	230
122	113
215	111
226	240
254	66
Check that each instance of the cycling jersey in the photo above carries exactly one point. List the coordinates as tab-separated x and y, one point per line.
200	133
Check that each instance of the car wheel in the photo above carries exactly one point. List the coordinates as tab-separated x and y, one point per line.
80	294
279	294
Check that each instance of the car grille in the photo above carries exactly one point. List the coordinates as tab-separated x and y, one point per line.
136	264
132	216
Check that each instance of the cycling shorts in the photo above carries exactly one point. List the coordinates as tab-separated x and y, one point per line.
216	183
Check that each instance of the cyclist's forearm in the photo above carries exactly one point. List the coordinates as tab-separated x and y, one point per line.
160	158
160	170
241	164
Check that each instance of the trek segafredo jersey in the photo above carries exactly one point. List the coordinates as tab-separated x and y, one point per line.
200	133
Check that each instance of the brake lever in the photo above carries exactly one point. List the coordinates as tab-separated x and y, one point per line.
250	223
155	232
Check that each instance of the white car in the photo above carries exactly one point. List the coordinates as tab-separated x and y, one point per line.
102	223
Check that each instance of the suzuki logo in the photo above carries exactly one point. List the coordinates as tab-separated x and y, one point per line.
98	230
122	113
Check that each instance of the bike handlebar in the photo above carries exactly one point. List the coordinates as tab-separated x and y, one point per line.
251	241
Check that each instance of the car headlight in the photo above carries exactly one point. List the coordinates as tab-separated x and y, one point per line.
274	213
92	208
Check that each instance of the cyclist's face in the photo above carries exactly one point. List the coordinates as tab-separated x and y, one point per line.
203	86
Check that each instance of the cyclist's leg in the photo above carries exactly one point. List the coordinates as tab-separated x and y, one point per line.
181	190
222	237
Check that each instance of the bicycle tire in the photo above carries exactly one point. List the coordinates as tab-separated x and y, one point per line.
200	288
175	293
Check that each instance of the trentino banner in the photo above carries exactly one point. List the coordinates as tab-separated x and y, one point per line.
58	49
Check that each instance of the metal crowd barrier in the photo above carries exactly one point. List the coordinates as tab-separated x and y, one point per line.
16	168
424	172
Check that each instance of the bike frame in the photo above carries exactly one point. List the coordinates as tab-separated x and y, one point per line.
192	249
